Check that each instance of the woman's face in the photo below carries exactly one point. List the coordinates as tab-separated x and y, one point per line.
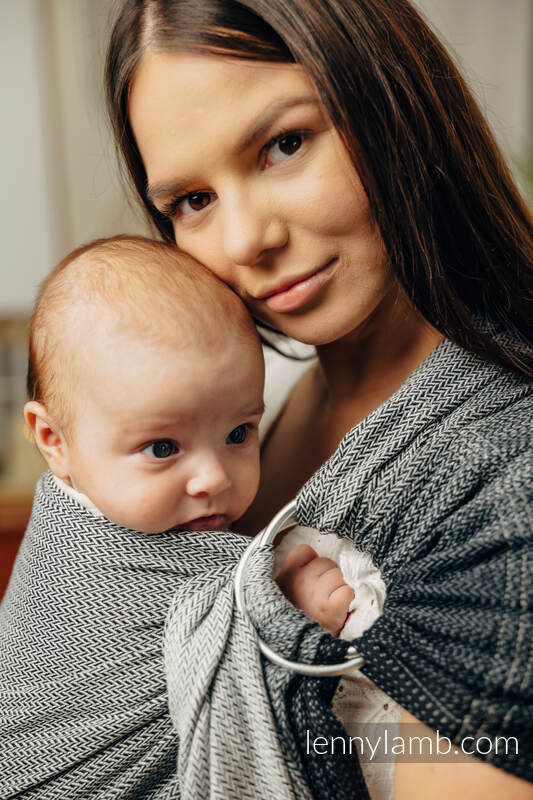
244	161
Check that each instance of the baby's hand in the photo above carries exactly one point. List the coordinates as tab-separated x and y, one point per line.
316	586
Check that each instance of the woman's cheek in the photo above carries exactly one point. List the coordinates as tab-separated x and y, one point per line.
337	201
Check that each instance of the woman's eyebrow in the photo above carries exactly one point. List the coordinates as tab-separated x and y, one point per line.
254	132
260	125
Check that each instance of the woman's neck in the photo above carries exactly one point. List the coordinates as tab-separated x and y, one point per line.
362	370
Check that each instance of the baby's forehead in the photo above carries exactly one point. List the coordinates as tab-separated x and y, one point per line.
127	373
190	308
96	330
133	296
182	333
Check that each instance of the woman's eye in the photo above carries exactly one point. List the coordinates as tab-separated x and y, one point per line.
162	448
283	147
192	203
238	435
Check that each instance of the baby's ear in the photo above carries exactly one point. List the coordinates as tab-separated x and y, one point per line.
48	438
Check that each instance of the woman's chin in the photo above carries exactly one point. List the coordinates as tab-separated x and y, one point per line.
320	328
337	318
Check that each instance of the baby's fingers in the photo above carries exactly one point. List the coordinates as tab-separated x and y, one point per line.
291	578
329	582
298	557
340	599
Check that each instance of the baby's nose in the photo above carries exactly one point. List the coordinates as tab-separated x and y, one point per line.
210	477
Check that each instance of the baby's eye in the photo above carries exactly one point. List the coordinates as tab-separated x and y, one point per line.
283	147
161	448
238	435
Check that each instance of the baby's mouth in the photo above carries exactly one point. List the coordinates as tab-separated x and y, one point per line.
213	522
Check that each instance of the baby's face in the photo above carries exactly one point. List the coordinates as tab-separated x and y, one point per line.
166	437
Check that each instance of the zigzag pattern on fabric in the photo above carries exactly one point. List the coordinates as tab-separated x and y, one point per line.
437	487
82	687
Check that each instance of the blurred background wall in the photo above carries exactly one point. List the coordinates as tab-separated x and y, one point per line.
60	182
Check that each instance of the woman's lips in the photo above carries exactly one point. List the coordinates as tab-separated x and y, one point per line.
212	523
300	293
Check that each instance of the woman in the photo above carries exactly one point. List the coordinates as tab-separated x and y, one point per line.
328	162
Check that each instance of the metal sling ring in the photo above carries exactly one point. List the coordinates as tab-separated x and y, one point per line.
285	519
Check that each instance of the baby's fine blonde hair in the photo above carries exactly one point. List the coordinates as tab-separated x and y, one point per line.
147	285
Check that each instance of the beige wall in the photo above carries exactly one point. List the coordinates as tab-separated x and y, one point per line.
57	153
89	192
492	43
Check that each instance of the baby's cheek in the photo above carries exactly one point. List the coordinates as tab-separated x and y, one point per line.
141	507
144	513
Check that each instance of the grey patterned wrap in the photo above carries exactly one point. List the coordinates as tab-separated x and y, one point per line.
437	486
234	744
83	702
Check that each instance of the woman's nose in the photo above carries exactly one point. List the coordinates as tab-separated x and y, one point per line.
209	477
251	228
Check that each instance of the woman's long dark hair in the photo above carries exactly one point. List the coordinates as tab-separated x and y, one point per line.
458	234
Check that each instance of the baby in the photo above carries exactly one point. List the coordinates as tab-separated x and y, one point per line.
145	381
146	388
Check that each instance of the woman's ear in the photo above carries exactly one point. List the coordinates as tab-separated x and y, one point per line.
48	438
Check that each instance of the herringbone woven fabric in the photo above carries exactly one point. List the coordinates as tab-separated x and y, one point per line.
83	701
302	709
436	485
234	743
228	742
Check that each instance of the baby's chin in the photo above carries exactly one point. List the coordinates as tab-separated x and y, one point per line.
154	524
214	522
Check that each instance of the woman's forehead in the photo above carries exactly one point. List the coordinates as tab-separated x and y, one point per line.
183	105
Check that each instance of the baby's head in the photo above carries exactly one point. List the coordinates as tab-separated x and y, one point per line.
145	385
